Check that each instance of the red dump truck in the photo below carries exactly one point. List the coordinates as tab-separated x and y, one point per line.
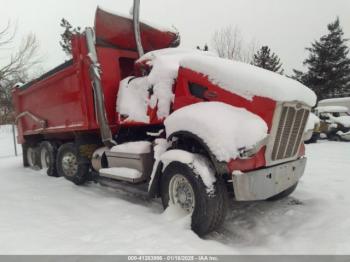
193	129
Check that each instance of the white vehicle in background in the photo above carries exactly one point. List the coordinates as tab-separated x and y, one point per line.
335	122
343	101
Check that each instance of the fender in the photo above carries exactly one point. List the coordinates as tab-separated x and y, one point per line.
181	140
186	137
201	166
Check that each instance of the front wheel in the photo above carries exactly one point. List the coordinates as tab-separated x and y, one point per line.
183	188
70	165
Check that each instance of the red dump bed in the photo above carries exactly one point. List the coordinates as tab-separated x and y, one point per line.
61	101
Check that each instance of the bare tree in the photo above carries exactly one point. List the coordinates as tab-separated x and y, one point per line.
16	68
228	42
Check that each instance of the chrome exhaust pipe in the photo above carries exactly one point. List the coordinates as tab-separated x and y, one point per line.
137	30
100	110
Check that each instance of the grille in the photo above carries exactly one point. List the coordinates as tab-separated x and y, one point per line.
289	132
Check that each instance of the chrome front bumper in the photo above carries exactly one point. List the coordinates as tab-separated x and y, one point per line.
264	183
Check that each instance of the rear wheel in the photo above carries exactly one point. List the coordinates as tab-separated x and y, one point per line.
182	188
70	165
24	155
47	157
31	156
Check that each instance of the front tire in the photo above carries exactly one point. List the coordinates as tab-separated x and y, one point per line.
70	165
190	194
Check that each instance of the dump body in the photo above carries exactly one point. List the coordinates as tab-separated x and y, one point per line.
61	102
64	98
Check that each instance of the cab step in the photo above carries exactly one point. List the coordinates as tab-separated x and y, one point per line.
123	174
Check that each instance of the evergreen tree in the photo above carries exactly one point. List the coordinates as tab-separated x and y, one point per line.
66	36
264	59
328	66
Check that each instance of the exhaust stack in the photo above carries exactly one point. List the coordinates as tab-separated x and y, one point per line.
137	31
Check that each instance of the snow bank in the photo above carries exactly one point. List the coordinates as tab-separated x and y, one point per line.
132	100
224	128
7	147
249	81
140	147
200	165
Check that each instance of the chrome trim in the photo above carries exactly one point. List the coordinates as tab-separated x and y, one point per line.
137	30
274	130
100	109
264	183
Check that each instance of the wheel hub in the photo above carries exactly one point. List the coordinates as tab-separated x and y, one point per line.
70	164
181	193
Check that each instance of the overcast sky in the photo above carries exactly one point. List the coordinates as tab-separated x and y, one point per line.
287	26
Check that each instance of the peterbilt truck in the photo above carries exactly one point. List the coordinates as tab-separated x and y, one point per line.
212	132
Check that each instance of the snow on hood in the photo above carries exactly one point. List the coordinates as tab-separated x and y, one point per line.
224	128
249	81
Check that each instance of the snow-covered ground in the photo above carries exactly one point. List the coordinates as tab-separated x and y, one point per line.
45	215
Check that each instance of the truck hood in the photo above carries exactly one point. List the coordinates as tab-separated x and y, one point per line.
249	81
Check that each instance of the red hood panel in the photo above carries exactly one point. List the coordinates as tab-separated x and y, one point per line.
118	30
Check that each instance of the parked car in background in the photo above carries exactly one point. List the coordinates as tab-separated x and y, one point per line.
335	122
342	101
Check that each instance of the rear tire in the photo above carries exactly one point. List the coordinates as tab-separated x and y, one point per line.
284	193
31	157
47	157
70	165
24	155
209	211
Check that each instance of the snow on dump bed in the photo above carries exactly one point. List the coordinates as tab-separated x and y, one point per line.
224	128
249	81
